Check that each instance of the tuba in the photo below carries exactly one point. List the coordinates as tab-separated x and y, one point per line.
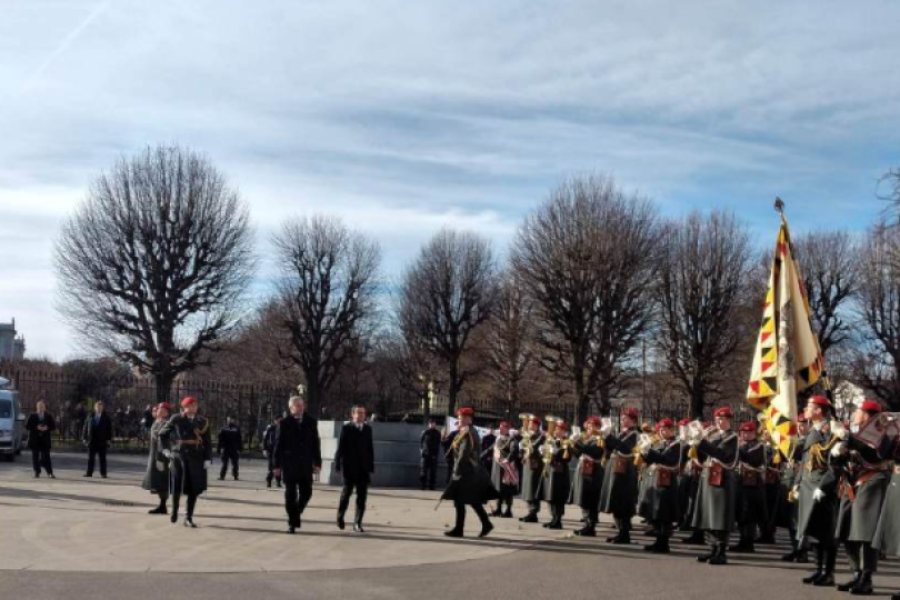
549	441
526	443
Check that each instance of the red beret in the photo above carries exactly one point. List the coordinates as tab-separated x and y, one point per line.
164	405
536	420
465	412
631	413
748	426
594	421
665	423
723	412
684	422
188	401
562	425
504	424
705	424
870	406
820	401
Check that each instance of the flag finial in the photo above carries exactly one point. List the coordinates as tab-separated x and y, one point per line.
779	205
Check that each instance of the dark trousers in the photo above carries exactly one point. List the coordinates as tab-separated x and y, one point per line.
40	457
427	471
534	507
862	556
270	475
95	452
461	515
362	493
557	510
296	497
229	456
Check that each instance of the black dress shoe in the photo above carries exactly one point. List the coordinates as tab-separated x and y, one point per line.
340	522
507	514
705	557
52	476
88	475
789	557
189	523
586	532
718	559
37	475
454	533
291	529
174	517
826	580
104	477
811	579
159	510
864	586
358	528
620	540
530	518
485	530
846	587
556	525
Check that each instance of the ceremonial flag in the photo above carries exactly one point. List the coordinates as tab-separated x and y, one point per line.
787	358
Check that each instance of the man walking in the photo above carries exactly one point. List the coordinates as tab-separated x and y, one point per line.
185	439
97	434
430	449
229	447
355	460
40	426
298	455
470	483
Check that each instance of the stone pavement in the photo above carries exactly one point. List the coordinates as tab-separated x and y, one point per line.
74	538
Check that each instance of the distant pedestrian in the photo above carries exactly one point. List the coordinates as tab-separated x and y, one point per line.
268	445
97	435
429	451
229	447
355	460
40	426
156	477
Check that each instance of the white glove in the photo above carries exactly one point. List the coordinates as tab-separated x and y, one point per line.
266	453
207	464
818	495
645	446
606	429
160	466
167	453
839	449
838	430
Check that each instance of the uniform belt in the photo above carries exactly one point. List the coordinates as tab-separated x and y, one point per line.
191	442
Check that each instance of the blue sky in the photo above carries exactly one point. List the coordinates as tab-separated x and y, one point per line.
403	117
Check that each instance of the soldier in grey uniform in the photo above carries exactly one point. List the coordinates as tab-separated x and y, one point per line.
751	509
185	439
619	493
661	499
862	491
531	469
588	475
505	470
555	477
715	508
469	484
156	477
688	486
887	531
790	477
816	490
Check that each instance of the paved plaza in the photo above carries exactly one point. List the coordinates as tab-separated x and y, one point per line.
79	538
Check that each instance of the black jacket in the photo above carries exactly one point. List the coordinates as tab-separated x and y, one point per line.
230	440
355	456
430	443
39	440
98	435
297	448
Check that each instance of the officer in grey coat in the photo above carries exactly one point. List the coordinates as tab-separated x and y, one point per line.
619	494
470	485
887	531
817	491
661	499
505	470
751	509
866	476
156	477
555	478
185	439
714	512
790	477
588	480
529	450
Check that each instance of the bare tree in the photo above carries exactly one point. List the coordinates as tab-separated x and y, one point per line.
879	302
702	280
328	291
510	339
829	267
446	294
588	258
153	265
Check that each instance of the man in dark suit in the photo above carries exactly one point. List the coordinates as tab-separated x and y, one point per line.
355	459
97	434
298	455
429	449
230	445
40	426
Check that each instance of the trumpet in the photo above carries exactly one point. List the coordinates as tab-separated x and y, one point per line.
526	444
549	441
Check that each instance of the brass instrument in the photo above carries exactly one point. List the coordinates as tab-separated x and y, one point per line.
549	441
526	444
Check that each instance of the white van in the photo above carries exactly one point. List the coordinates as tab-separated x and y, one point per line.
11	422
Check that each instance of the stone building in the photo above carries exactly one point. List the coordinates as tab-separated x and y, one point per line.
12	347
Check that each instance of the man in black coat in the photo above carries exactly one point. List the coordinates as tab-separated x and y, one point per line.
40	426
298	455
97	434
430	450
355	460
229	447
268	445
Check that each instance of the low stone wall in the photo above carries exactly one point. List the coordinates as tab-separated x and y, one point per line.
396	454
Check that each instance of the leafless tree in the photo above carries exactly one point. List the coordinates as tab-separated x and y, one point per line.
153	265
879	302
588	257
328	291
446	294
702	280
510	341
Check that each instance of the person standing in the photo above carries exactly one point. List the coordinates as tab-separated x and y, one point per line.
429	450
555	478
863	489
156	477
661	499
186	441
505	470
298	456
751	509
714	512
229	447
470	484
588	476
790	477
529	448
97	435
817	490
619	493
355	460
887	531
40	427
268	444
487	449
